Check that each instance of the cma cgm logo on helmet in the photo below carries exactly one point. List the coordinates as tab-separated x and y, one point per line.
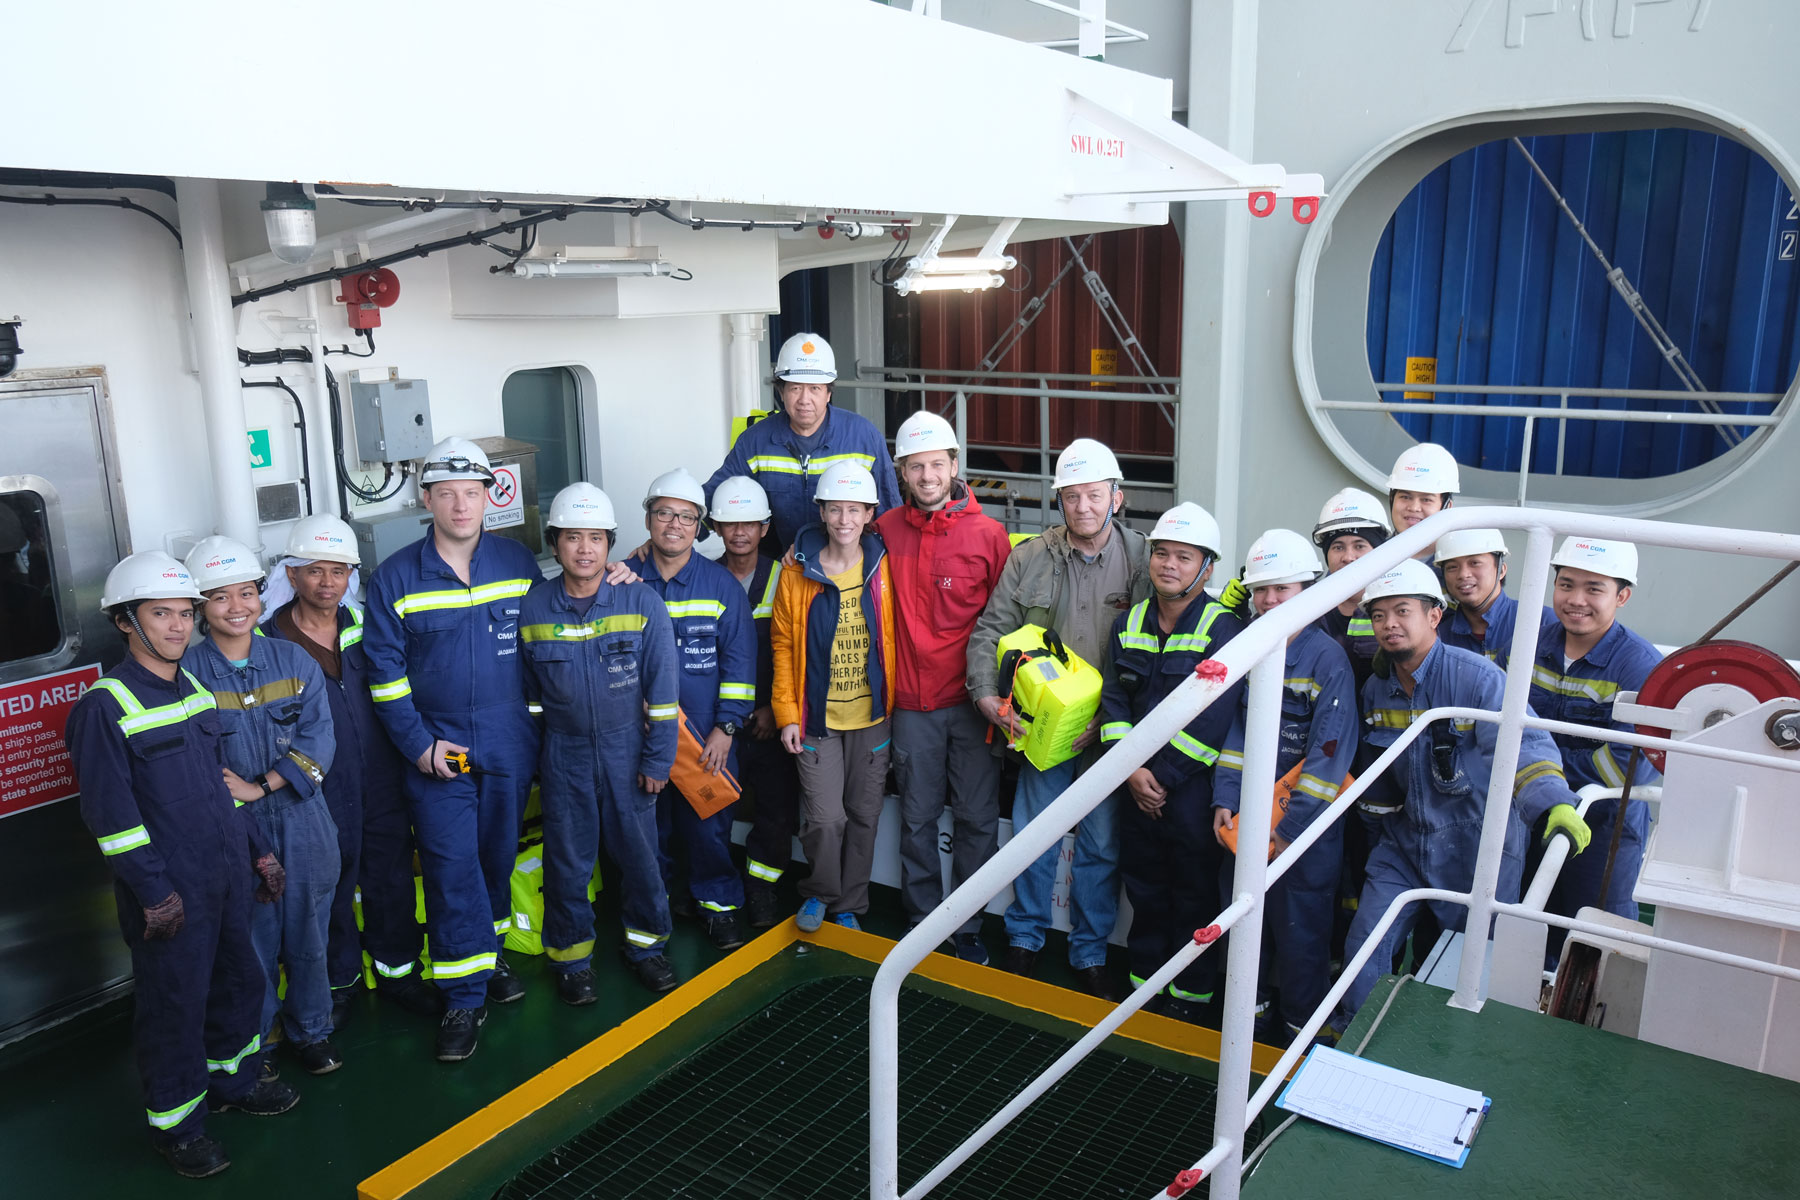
1074	465
220	560
178	576
1265	556
327	538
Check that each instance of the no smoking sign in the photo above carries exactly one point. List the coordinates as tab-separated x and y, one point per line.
504	505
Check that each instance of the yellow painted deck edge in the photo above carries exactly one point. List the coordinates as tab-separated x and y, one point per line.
1165	1033
402	1176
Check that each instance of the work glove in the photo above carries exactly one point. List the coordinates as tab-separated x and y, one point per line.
1564	819
274	879
1235	597
163	921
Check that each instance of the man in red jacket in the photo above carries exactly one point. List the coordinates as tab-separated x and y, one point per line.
945	558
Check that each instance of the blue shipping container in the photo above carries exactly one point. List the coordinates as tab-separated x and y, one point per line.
1480	270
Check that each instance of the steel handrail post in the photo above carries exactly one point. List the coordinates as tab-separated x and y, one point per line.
1525	458
1504	767
1044	453
1262	728
1047	1078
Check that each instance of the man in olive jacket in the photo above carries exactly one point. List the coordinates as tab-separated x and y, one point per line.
1076	579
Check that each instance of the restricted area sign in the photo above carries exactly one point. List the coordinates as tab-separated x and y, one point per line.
504	507
34	764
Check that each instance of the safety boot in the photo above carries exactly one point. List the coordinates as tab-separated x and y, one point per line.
195	1157
269	1098
503	986
577	987
458	1032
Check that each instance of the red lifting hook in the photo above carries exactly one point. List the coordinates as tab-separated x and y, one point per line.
1262	203
1185	1182
1305	209
1207	936
1212	671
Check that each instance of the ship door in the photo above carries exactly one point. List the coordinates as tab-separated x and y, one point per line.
61	527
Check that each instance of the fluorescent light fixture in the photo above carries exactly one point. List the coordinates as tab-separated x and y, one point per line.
971	281
288	219
977	262
606	268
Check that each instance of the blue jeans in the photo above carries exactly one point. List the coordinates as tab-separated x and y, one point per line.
1094	882
292	932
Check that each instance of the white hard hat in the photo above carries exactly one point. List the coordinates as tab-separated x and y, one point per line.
1410	578
1086	461
582	506
1460	543
455	458
739	499
1617	559
1281	556
851	481
1189	523
1349	510
806	358
676	485
217	562
921	432
1426	467
147	575
323	538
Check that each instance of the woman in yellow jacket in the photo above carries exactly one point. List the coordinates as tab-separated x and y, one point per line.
833	638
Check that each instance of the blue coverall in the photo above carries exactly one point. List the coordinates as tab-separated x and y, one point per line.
363	790
148	757
1583	693
444	663
715	647
602	672
1171	864
765	767
788	466
1495	644
1319	728
1434	839
276	717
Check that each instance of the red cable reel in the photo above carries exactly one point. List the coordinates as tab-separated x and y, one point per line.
1730	672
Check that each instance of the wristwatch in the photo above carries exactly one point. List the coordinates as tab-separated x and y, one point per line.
267	790
728	728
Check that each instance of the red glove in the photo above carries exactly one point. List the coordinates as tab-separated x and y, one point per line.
274	879
163	921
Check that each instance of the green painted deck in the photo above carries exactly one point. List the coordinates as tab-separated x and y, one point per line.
72	1121
1577	1112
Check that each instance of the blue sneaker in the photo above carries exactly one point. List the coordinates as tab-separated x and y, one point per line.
812	915
969	948
847	920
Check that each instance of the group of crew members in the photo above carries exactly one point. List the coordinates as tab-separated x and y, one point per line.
261	792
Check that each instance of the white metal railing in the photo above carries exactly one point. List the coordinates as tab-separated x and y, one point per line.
961	385
1259	653
1562	413
1095	30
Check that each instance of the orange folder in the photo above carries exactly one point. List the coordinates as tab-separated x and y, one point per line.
705	792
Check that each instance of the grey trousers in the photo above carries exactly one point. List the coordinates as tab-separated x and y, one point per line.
938	756
842	776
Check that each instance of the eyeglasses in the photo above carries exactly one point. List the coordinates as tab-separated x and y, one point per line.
669	516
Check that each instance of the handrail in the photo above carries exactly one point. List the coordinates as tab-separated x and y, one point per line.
1263	645
1520	389
907	385
1065	377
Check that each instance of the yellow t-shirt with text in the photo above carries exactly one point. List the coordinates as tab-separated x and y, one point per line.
849	698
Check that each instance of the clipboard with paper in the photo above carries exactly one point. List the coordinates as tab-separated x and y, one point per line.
1423	1116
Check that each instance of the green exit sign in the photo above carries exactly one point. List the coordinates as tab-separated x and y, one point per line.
259	448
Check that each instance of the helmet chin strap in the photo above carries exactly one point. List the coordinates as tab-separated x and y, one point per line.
1205	563
131	615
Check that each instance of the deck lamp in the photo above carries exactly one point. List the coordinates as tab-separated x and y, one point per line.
289	218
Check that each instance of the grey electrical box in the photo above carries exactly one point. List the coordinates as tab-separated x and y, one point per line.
393	419
378	537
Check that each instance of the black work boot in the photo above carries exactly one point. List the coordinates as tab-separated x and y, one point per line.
195	1157
269	1098
503	986
725	930
1018	960
458	1031
317	1058
761	908
577	987
656	973
411	993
